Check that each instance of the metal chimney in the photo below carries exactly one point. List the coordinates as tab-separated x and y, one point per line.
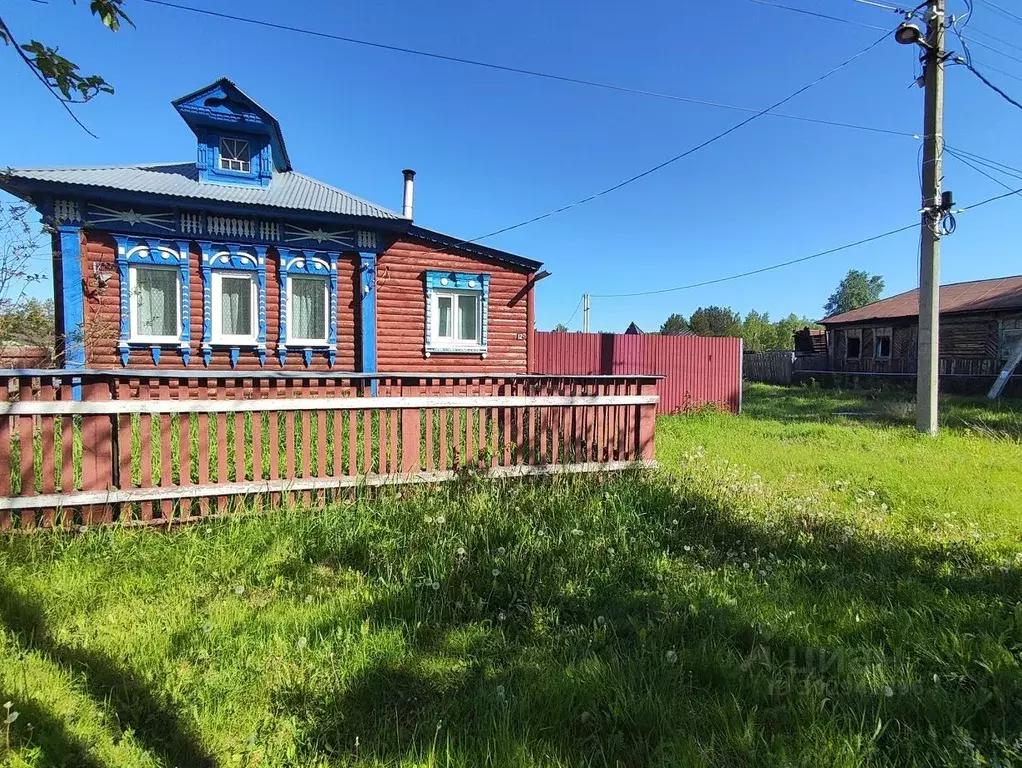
406	207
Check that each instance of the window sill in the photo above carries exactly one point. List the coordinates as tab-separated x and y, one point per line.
247	342
157	341
434	349
307	344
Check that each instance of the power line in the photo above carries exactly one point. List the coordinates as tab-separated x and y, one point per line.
519	70
761	270
998	51
1001	10
676	158
975	31
772	267
567	324
817	15
976	168
996	165
967	61
991	86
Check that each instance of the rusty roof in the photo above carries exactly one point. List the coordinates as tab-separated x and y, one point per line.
996	294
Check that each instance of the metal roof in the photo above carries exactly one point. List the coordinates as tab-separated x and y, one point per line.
996	294
289	189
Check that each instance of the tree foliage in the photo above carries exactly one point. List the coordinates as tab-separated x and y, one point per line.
757	331
19	245
857	289
716	321
675	325
560	328
62	77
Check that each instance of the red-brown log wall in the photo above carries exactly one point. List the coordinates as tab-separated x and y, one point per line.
102	316
401	313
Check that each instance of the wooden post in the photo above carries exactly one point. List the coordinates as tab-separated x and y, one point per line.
5	456
647	424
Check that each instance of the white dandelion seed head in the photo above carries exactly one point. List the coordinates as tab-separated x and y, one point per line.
672	657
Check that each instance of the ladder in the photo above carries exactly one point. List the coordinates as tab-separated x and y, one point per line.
1009	368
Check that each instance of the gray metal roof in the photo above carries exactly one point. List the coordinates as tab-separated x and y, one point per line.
288	190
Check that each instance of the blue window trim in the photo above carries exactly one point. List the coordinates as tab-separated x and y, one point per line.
260	158
463	282
295	262
232	257
147	251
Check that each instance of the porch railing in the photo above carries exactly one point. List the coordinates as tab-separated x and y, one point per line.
148	447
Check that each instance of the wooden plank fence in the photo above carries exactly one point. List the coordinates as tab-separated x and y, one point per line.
772	367
149	447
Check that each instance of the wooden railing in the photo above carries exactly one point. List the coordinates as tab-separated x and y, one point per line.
90	447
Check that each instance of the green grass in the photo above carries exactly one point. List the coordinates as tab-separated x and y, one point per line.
794	588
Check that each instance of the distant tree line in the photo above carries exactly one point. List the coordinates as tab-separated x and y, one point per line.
758	331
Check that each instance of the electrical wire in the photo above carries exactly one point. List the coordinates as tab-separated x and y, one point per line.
817	15
968	63
790	262
568	324
676	158
1002	41
996	165
1001	10
983	78
761	270
976	168
518	70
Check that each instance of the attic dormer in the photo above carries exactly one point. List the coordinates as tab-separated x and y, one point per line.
239	142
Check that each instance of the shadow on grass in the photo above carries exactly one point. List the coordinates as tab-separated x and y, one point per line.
155	725
627	672
36	727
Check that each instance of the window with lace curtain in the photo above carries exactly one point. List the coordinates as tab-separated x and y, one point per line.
154	304
307	310
234	308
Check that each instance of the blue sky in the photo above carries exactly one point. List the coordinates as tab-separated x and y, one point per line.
493	148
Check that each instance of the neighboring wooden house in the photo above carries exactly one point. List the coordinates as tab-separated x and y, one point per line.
236	260
980	326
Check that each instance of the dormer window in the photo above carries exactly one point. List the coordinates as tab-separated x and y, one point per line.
234	155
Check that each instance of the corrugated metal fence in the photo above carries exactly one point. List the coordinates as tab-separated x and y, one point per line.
698	371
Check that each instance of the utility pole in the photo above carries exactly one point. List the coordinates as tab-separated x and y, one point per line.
585	313
929	263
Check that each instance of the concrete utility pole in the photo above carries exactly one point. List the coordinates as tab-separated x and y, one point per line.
929	264
585	313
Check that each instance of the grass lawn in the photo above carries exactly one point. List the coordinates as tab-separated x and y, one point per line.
795	587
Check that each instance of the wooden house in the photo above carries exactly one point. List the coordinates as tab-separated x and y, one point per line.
980	326
234	260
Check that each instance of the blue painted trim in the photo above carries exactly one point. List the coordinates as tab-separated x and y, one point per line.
232	257
462	282
367	302
72	300
294	262
259	157
145	251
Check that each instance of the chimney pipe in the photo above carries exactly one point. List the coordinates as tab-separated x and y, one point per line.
406	208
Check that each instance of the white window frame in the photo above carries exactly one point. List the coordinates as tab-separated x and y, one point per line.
292	339
246	164
134	336
219	337
453	340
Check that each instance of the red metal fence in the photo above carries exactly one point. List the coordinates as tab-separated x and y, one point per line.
697	371
165	446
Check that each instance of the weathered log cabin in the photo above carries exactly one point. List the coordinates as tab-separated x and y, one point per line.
236	261
980	326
